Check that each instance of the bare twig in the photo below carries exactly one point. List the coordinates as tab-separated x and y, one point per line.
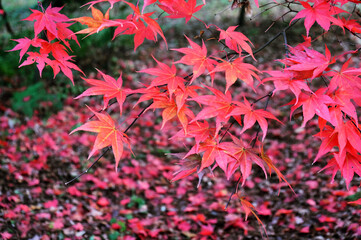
7	24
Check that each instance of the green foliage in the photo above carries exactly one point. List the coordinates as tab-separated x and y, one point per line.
122	225
136	200
114	235
354	197
30	99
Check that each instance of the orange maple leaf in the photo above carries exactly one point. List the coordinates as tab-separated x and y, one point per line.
94	23
237	70
108	135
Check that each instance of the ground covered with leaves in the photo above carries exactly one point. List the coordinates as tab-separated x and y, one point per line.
38	156
139	202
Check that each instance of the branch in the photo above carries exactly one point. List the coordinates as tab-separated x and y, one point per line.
97	160
81	174
7	24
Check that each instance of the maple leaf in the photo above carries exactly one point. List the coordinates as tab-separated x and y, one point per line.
57	50
320	12
180	8
40	59
351	24
108	135
249	208
342	98
65	66
237	70
243	156
351	165
197	57
182	94
47	20
345	78
110	88
271	167
307	63
63	33
199	130
312	104
357	202
218	106
236	41
165	76
344	135
212	152
171	110
139	29
283	80
24	44
329	140
189	165
251	116
94	23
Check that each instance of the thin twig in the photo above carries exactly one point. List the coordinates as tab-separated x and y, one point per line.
286	45
97	160
5	17
81	174
269	95
233	192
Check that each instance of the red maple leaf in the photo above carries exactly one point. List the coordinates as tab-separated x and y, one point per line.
307	63
242	156
180	8
212	152
351	24
199	130
24	44
47	20
165	76
65	65
236	41
342	98
329	141
197	57
40	59
141	31
283	80
251	116
312	104
271	167
64	33
182	94
320	12
219	106
110	88
345	78
351	165
108	135
237	69
249	208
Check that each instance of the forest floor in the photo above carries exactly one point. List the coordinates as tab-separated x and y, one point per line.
37	157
